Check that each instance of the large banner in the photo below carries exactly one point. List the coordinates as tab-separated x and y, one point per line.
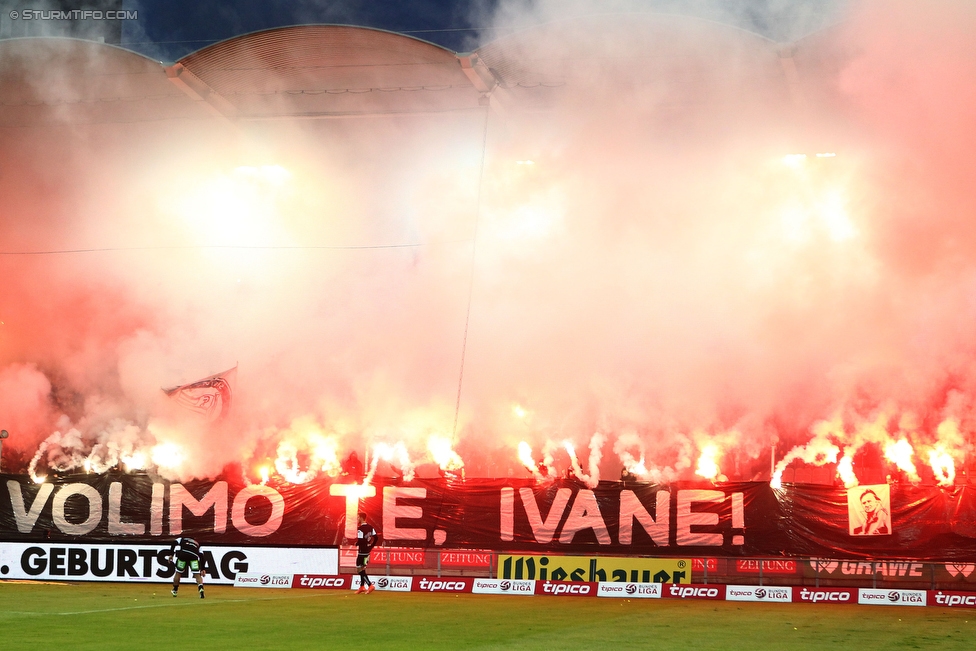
520	516
152	563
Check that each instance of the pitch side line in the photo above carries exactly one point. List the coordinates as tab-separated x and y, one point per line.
163	605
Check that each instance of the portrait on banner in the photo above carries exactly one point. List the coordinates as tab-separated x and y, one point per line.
869	510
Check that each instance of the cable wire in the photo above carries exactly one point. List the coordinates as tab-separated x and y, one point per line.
474	256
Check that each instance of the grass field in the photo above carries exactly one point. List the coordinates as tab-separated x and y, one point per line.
132	616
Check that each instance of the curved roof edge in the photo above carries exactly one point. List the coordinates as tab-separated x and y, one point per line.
110	46
290	27
522	31
819	32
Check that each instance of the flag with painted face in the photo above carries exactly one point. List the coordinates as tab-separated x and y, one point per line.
209	397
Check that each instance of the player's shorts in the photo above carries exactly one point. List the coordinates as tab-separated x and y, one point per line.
362	560
181	563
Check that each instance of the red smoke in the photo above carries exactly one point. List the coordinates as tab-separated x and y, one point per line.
635	259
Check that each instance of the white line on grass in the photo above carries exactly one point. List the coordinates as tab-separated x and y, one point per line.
163	605
101	610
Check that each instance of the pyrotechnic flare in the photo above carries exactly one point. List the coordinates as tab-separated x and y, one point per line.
708	462
596	455
525	455
61	450
652	263
287	465
943	466
845	469
396	455
591	478
712	448
819	451
573	461
168	456
304	452
548	463
539	470
900	453
442	451
638	466
622	448
134	461
946	452
867	431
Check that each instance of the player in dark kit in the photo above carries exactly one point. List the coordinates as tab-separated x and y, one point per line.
365	541
186	550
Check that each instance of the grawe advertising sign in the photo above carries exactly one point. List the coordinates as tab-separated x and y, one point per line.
80	562
960	570
890	570
520	516
887	569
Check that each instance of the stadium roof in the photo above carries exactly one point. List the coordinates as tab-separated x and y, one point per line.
331	71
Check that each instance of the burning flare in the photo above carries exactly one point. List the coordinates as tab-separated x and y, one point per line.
442	451
591	478
900	453
708	462
818	451
539	470
168	456
845	470
396	455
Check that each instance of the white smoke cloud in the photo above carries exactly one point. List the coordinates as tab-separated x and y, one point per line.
637	257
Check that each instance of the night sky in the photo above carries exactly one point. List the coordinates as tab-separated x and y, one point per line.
177	28
168	30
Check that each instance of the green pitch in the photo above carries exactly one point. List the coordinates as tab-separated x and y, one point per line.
129	616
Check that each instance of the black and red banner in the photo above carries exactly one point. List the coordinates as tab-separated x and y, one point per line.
748	519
